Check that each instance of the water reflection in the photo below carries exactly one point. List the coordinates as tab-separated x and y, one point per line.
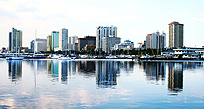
192	65
155	72
40	65
15	70
106	73
86	68
58	70
175	77
127	66
125	77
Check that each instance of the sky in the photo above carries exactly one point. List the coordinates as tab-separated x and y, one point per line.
134	19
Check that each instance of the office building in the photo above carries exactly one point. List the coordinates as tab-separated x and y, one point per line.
156	40
104	32
15	40
49	43
63	39
175	35
75	46
87	40
72	40
41	45
55	41
109	42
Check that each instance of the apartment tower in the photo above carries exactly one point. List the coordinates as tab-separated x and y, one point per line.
104	32
175	35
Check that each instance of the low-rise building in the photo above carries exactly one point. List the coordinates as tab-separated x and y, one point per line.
127	44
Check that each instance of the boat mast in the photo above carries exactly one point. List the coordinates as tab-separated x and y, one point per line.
35	40
16	44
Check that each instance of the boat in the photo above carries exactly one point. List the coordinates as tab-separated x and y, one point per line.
54	56
64	58
14	58
38	56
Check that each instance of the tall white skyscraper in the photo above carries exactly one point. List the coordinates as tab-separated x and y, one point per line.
63	39
104	32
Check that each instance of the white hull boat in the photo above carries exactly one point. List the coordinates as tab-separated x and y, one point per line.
14	58
64	58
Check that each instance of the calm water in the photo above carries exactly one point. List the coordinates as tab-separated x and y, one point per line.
100	84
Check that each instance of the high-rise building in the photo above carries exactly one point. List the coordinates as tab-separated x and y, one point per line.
55	40
15	40
63	39
49	43
109	42
156	40
32	45
41	45
10	41
104	32
72	40
175	35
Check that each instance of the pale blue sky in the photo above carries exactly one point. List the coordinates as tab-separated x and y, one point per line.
133	18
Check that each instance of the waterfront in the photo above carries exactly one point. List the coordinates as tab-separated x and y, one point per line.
101	84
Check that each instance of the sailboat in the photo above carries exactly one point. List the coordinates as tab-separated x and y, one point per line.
16	57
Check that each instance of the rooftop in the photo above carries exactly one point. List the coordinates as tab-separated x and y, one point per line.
174	22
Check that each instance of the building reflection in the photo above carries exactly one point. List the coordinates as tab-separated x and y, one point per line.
15	70
192	65
127	66
38	65
106	73
155	72
86	68
175	77
61	70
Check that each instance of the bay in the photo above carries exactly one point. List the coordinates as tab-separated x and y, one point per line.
101	84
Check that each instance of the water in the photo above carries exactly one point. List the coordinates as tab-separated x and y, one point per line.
101	84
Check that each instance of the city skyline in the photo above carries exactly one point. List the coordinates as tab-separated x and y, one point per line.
132	18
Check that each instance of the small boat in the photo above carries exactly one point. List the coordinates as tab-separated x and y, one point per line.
39	56
54	56
64	58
